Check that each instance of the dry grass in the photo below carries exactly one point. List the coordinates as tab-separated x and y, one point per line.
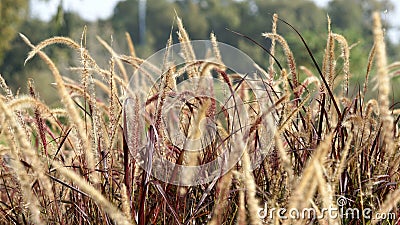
74	165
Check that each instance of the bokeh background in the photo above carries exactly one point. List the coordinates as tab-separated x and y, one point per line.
150	22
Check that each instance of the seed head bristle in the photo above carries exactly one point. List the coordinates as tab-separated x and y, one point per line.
273	43
130	45
384	89
288	53
346	57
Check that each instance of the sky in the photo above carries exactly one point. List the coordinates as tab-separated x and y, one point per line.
92	10
88	9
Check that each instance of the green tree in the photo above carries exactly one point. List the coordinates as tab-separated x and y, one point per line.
355	15
194	18
352	19
16	73
13	68
159	19
221	15
12	15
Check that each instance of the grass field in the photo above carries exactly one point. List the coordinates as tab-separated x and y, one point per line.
330	152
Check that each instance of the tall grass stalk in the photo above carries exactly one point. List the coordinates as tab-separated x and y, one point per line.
77	163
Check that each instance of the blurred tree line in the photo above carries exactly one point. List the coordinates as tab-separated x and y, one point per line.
350	18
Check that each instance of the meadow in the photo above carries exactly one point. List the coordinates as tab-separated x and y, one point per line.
313	140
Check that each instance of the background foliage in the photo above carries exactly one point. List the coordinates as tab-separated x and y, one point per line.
251	17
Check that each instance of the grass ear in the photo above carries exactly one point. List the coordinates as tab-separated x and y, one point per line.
82	162
317	67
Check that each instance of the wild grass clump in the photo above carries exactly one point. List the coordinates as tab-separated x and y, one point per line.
76	164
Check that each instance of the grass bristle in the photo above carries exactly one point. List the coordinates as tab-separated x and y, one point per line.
77	163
